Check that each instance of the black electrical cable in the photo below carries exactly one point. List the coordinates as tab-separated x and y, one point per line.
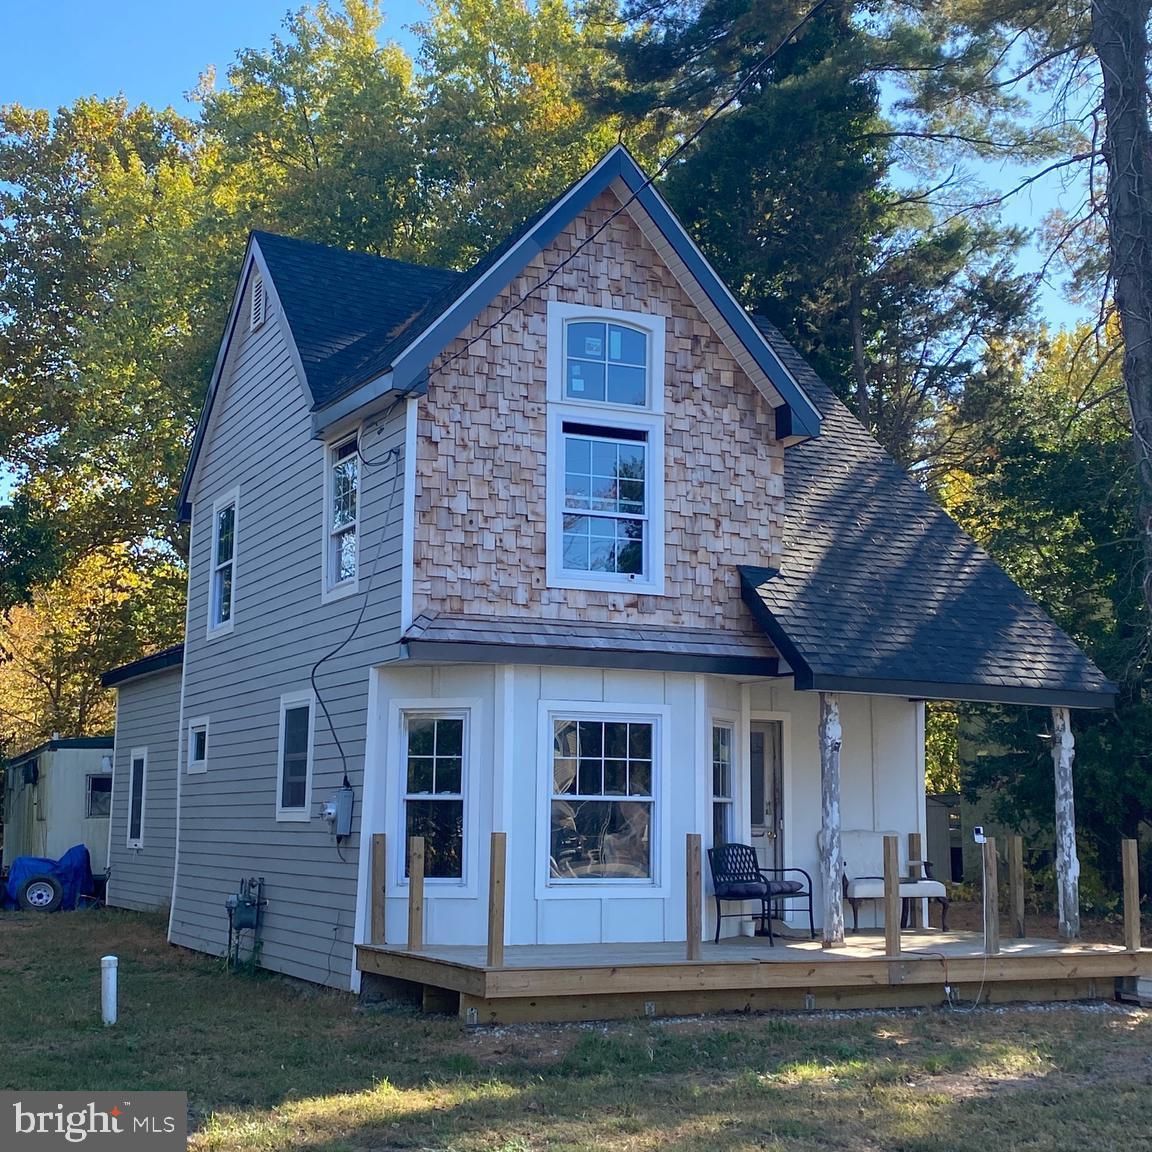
753	75
397	456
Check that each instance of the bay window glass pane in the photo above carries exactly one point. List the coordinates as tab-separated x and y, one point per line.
421	737
563	776
720	823
640	778
450	736
441	823
449	774
599	839
420	776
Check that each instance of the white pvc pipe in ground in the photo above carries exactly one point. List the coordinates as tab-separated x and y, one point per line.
108	989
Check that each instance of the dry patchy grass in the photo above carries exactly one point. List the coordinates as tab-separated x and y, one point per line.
273	1066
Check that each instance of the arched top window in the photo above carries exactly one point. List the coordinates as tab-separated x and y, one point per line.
606	362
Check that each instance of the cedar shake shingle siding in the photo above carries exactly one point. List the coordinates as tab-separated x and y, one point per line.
482	448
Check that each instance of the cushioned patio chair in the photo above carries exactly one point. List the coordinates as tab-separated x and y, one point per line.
737	875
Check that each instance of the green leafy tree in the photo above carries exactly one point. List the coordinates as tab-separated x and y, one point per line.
790	193
1057	507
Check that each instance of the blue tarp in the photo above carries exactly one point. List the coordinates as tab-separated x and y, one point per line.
73	870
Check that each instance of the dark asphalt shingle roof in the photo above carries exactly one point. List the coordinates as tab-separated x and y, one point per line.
346	308
879	584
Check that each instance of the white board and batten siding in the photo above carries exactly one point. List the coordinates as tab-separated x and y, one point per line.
259	442
147	718
507	789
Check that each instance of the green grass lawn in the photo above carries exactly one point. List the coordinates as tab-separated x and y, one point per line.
269	1064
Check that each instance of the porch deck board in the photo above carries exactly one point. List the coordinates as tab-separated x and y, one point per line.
755	950
580	981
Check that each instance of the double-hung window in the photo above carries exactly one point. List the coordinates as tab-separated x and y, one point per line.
434	766
606	450
601	808
294	758
723	737
222	583
342	516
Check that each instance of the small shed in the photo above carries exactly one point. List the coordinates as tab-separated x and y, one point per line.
58	795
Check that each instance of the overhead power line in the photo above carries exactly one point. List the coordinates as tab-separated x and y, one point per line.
753	75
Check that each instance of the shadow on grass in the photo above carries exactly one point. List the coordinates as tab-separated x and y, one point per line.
271	1065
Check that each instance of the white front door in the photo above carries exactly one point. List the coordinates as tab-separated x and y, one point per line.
765	791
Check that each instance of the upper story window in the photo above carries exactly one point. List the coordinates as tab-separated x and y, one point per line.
606	449
606	361
222	586
605	500
342	516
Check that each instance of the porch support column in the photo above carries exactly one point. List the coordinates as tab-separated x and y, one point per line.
831	858
1067	863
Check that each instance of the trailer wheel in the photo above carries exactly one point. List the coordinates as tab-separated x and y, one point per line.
40	894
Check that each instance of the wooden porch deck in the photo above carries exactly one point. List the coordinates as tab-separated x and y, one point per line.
602	981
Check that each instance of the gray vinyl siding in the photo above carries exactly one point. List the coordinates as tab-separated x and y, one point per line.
260	441
147	716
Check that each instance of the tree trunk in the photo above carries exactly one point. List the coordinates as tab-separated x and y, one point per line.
831	858
1067	862
1120	41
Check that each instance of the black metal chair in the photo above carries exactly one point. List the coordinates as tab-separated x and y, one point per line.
737	875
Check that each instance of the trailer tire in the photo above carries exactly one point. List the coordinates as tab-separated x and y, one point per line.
40	894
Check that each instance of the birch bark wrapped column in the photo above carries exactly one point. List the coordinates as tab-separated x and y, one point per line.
1067	862
831	857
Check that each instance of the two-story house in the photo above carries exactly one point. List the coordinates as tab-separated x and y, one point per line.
566	547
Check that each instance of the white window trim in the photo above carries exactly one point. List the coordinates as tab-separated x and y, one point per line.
472	709
231	497
652	582
194	767
89	777
295	815
130	840
329	590
655	326
659	885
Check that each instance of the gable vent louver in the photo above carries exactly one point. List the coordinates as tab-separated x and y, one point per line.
259	304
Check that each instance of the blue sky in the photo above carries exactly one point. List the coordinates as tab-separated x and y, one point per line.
53	51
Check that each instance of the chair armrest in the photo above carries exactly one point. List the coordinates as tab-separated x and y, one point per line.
781	871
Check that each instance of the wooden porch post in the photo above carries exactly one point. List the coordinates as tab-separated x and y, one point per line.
831	860
1067	863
